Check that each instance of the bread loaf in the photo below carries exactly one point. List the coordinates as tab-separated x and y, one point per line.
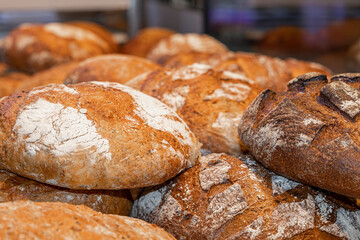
211	102
56	74
309	133
142	43
93	135
110	68
10	82
35	47
15	188
228	198
177	43
31	220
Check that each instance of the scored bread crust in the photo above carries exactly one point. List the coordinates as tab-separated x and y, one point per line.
228	198
211	102
177	43
110	68
15	188
309	133
94	135
35	47
33	220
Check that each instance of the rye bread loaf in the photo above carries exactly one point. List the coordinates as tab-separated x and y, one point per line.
56	74
211	102
228	198
177	43
110	68
309	133
15	188
10	82
33	220
145	40
35	47
95	135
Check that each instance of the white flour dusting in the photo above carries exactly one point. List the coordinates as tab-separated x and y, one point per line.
233	91
236	75
280	185
62	131
226	124
251	231
23	41
189	72
176	99
53	87
214	173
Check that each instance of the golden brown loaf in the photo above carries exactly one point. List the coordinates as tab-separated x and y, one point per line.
142	43
110	68
211	102
298	67
177	43
11	81
95	135
227	198
15	188
309	133
35	47
32	220
56	74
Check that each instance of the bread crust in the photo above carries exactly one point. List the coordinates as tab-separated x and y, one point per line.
10	82
35	47
225	197
45	220
93	135
110	68
15	188
211	102
309	133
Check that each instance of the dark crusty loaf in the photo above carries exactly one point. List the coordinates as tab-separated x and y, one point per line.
211	102
309	133
35	47
227	198
33	220
110	68
95	135
177	43
145	40
15	188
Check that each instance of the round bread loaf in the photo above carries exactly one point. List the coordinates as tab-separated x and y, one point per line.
15	188
227	198
35	47
95	135
111	68
142	43
32	220
10	82
309	133
177	43
56	74
211	102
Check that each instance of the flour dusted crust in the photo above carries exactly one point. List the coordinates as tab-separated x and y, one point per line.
96	135
15	188
111	68
10	82
56	74
31	220
211	102
177	43
145	40
225	197
34	47
309	133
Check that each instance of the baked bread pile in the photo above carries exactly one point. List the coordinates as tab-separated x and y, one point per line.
96	142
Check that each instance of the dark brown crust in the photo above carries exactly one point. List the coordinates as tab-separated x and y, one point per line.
310	133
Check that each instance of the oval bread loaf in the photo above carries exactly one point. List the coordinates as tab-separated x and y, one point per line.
211	102
15	188
309	133
110	68
31	220
95	135
35	47
228	198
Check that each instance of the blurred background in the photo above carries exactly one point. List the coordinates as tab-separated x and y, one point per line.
325	31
